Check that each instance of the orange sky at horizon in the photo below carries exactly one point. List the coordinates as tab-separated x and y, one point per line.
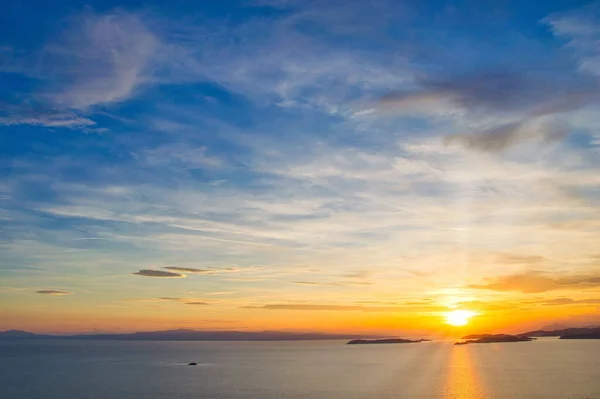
154	315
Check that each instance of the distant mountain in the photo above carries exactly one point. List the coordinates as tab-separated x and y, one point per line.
564	332
19	334
192	335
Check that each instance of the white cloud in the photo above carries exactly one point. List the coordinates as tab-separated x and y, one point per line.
274	61
100	59
582	28
56	119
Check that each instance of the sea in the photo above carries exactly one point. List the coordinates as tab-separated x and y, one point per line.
548	368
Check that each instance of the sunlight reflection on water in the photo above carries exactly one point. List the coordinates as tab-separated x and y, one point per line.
463	381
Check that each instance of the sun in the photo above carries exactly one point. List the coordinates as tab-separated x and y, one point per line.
458	317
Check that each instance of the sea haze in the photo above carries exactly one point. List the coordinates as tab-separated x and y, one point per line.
547	368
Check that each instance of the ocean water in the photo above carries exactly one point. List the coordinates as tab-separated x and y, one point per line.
69	369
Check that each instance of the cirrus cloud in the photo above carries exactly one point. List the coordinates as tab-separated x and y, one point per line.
537	281
190	270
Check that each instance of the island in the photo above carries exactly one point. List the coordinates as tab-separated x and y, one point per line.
384	341
493	338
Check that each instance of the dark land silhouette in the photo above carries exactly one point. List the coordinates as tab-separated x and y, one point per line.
493	338
384	341
190	335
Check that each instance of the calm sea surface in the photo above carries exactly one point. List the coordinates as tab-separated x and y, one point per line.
544	369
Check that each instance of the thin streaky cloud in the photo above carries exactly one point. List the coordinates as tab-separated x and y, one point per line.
351	308
190	270
54	292
158	273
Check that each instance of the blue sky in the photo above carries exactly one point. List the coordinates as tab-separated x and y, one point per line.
309	153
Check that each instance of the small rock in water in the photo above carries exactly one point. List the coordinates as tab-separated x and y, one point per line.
192	364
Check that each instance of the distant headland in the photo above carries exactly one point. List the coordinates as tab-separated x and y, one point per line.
384	341
191	335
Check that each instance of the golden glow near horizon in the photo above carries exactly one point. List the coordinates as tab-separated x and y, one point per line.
459	317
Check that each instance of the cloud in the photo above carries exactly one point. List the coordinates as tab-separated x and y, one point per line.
500	91
502	137
582	27
558	301
186	301
361	277
496	109
190	270
529	282
297	76
316	283
158	273
100	59
159	299
538	281
326	307
58	119
567	301
520	259
54	292
178	155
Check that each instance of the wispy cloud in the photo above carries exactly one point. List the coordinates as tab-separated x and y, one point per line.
361	308
508	107
502	137
101	58
316	283
158	273
581	27
538	281
54	292
59	119
569	301
185	301
190	270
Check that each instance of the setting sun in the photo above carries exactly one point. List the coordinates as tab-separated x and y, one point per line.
459	317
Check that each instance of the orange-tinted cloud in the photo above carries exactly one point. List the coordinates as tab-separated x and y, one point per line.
329	307
537	281
569	301
190	270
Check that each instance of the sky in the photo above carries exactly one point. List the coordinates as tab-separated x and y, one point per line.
357	166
